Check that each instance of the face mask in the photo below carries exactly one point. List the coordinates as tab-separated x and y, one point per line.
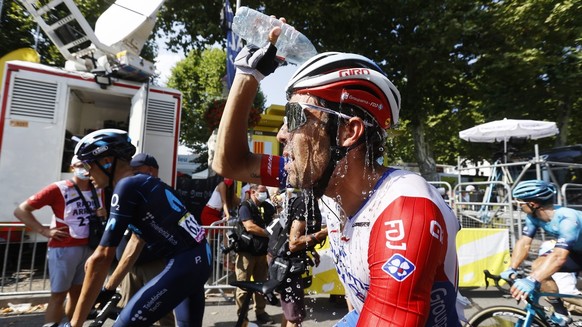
80	173
261	196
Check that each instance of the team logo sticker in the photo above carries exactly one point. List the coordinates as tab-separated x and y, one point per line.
398	267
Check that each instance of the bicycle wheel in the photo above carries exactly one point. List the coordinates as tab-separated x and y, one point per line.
502	316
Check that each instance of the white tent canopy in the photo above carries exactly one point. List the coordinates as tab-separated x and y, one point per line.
503	130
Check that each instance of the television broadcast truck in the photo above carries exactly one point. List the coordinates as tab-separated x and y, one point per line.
45	110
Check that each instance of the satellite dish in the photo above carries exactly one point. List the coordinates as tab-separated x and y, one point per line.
127	24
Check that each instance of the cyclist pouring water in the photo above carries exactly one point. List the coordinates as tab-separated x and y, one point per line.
536	199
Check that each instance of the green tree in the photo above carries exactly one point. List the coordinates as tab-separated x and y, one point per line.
456	63
415	41
529	64
16	28
200	78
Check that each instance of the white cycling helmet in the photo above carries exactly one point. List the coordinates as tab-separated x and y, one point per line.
348	78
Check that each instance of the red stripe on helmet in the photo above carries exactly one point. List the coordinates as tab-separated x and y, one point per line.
360	93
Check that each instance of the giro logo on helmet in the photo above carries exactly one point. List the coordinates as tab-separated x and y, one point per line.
100	150
353	71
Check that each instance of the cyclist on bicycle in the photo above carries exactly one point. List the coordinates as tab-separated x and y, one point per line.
154	213
536	199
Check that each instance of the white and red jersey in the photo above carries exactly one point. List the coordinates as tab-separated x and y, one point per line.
396	257
68	210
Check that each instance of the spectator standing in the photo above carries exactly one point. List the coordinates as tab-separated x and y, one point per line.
244	192
394	238
145	163
68	236
162	222
255	214
221	202
300	232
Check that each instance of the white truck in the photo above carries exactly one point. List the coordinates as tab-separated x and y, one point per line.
44	109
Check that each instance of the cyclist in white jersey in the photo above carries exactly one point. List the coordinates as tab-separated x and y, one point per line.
394	236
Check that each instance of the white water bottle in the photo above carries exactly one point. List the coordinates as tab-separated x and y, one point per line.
254	27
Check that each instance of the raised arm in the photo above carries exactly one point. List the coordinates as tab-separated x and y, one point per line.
233	157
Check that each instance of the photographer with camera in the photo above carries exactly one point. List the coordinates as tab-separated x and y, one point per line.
255	214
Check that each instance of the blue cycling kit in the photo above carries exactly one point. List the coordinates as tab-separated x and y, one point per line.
151	209
566	226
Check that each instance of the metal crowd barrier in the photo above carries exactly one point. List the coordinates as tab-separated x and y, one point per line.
24	268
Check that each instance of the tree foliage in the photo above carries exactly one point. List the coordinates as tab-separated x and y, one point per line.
200	78
529	64
457	63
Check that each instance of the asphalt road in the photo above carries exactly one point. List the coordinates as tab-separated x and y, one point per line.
321	311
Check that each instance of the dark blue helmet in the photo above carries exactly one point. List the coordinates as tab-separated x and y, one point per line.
105	143
534	190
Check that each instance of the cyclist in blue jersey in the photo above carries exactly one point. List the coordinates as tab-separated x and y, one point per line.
151	209
536	199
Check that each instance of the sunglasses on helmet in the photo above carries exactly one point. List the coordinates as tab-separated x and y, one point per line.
295	114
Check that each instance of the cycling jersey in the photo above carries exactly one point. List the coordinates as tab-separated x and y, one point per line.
396	257
68	211
565	225
152	210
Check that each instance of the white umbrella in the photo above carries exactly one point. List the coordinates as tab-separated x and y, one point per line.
503	130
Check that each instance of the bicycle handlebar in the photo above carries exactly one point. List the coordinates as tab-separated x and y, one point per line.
109	311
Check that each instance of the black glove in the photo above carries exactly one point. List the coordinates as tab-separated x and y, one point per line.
259	62
104	296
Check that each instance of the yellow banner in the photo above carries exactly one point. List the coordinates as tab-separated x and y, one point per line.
325	279
479	249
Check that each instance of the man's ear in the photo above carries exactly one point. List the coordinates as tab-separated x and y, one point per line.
351	131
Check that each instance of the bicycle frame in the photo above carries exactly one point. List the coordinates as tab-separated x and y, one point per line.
532	313
532	308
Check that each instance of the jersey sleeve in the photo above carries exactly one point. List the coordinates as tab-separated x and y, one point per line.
48	196
569	230
407	250
124	203
529	227
273	172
